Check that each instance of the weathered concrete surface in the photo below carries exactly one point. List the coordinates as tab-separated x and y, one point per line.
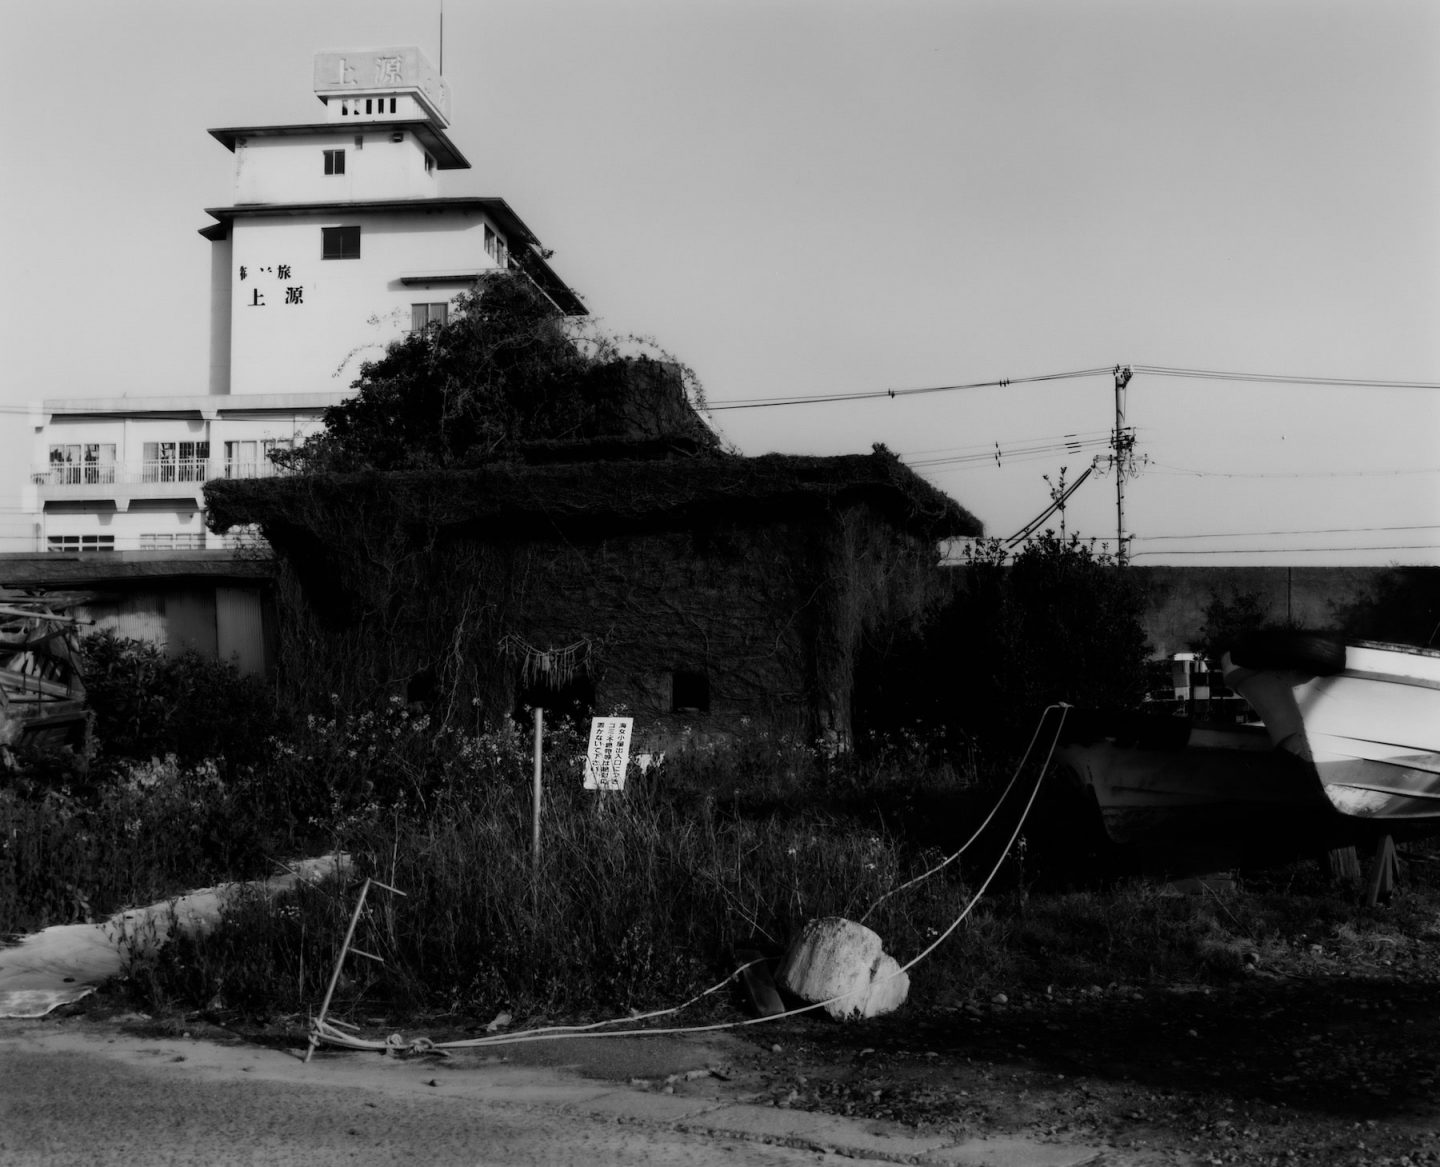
60	965
84	1092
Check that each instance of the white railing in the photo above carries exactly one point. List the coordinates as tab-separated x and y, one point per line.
194	470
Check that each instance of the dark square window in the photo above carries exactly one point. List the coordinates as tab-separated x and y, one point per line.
334	161
690	692
339	242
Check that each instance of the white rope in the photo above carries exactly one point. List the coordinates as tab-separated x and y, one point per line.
1004	794
323	1030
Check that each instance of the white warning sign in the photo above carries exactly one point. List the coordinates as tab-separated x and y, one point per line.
609	753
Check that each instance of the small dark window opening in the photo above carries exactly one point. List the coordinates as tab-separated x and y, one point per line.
340	242
392	105
689	692
367	106
334	161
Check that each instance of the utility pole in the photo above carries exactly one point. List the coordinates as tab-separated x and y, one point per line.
1123	444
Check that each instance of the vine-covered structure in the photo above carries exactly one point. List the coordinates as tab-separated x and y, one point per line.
696	590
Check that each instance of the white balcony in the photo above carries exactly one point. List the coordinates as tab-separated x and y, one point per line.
150	478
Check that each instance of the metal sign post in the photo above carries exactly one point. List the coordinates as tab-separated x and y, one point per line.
535	818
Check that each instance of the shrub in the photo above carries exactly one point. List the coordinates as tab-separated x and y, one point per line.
150	705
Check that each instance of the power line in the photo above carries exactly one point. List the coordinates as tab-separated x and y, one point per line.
999	454
1151	370
1163	468
830	398
1308	531
1295	550
1282	378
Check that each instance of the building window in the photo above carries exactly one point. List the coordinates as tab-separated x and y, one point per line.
422	316
155	541
251	459
334	161
175	462
339	242
495	246
689	692
88	463
392	105
80	542
429	164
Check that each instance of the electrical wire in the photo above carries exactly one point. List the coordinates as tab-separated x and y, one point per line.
1291	550
1164	468
1310	531
1149	370
865	395
1281	378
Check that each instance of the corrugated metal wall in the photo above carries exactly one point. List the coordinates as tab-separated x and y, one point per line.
240	628
215	621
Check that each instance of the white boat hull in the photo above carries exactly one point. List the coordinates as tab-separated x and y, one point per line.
1372	731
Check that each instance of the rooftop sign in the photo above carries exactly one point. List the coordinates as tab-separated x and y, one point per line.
370	71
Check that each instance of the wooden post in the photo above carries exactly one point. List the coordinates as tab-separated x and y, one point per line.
1382	872
1342	864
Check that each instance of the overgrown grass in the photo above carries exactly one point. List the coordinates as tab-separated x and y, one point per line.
154	829
638	899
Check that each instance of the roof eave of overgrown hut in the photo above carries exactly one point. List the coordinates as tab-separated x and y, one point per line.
599	496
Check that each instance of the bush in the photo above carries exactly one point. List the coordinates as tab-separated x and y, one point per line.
1062	621
151	705
155	829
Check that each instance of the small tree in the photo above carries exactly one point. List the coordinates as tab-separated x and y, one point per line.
507	368
1227	620
1059	622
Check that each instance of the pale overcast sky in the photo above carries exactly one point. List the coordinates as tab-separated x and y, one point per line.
813	197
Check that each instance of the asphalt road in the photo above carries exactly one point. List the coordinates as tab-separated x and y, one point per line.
75	1091
97	1099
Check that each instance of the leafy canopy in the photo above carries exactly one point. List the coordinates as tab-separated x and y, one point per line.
507	368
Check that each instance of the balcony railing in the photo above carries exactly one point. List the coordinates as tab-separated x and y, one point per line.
160	471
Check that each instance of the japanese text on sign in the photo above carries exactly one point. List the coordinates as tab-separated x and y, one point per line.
609	753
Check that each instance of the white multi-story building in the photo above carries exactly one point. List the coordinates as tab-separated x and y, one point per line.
337	241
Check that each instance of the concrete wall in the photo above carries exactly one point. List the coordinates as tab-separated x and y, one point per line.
309	329
292	170
206	602
1308	596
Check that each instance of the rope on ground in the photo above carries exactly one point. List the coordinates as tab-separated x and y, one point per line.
324	1031
999	802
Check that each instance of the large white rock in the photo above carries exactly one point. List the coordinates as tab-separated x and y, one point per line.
844	964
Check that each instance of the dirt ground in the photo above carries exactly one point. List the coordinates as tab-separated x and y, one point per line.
1322	1061
1326	1054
